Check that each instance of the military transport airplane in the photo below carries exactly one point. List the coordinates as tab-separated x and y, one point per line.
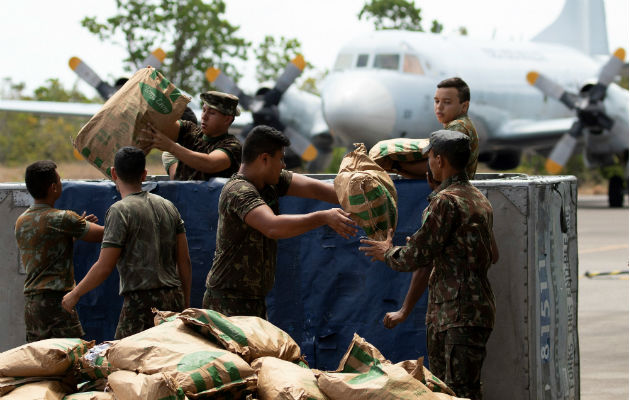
382	87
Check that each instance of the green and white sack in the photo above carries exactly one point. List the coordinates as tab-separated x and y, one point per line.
385	152
49	357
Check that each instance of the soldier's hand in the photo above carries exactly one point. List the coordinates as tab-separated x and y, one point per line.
90	218
340	222
69	301
393	318
376	249
153	138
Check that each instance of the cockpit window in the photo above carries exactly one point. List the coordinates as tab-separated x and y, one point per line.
411	65
344	61
387	61
362	60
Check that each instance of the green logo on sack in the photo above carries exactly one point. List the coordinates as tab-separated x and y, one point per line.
156	99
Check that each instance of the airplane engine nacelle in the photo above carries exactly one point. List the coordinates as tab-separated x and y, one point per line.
501	159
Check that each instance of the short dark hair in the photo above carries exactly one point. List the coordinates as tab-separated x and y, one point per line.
263	139
39	176
463	91
457	156
130	163
189	115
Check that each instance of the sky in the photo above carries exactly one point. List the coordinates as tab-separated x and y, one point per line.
37	38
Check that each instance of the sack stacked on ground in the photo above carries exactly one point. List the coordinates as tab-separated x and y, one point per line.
385	152
249	337
416	369
48	390
366	191
280	379
92	396
186	363
148	97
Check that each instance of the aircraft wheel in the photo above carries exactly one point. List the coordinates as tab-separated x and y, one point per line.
615	192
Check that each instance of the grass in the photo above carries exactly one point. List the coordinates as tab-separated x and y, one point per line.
70	170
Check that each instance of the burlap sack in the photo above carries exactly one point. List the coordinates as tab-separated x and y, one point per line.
249	337
366	191
361	356
128	385
45	390
444	396
191	362
147	97
90	396
382	381
8	383
385	152
163	316
50	357
284	380
420	372
94	365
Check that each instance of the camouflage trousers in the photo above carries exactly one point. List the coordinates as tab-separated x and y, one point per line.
456	356
230	305
45	318
136	315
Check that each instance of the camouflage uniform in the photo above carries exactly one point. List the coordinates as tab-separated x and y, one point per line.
45	239
145	226
244	266
455	241
464	125
192	137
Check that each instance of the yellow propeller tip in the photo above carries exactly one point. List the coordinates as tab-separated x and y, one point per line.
620	53
77	155
553	167
212	74
159	54
299	62
310	153
74	62
532	77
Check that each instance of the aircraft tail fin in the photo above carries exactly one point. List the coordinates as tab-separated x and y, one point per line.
580	25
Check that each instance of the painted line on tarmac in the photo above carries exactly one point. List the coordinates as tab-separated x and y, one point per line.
603	248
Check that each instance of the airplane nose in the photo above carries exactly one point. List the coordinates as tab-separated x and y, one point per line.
358	109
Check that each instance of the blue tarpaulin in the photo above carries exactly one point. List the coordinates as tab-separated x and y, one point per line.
325	289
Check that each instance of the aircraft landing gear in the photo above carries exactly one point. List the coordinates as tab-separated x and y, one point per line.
615	191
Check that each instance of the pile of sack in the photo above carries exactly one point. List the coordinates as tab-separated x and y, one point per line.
199	354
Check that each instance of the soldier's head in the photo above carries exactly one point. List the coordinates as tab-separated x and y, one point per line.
448	152
218	112
451	99
42	179
265	145
129	165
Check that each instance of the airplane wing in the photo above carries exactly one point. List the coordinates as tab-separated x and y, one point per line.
53	108
531	133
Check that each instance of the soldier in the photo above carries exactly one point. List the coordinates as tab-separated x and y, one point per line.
204	151
455	244
451	102
45	238
145	238
243	270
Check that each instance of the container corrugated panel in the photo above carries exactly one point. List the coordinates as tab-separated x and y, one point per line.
326	289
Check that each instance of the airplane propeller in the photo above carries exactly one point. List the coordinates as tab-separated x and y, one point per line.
264	105
588	105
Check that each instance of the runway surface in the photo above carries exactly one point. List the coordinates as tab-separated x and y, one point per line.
603	300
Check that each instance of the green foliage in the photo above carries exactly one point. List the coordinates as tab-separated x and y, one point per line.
193	33
436	27
392	14
25	137
273	55
338	153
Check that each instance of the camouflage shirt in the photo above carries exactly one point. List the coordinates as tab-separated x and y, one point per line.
245	259
464	125
455	240
192	138
145	227
45	239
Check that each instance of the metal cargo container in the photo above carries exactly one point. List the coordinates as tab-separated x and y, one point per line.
326	289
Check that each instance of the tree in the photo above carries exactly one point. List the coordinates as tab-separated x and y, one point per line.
195	34
393	14
274	55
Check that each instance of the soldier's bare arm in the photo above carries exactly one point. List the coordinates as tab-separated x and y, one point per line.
304	186
96	275
94	234
285	226
417	286
184	267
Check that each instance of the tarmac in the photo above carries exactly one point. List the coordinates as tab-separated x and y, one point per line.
603	299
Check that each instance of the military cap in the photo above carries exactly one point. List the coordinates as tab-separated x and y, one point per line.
225	103
447	141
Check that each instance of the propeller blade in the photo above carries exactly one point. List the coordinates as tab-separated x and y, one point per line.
552	89
563	150
300	145
155	59
225	84
88	75
290	73
612	67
